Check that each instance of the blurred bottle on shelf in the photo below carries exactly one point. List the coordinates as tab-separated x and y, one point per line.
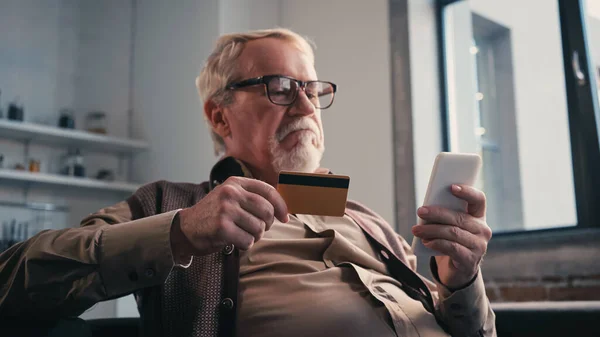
15	111
73	164
66	119
34	165
96	122
78	168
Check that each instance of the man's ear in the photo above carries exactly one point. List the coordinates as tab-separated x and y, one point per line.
217	119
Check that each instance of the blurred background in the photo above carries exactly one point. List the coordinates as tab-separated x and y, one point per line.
98	97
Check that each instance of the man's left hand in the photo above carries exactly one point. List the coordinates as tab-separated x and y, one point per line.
461	237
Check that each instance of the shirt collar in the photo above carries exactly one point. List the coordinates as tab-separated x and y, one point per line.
232	167
225	168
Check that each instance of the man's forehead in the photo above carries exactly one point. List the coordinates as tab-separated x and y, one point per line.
271	56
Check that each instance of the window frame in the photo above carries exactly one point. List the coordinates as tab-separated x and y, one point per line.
583	113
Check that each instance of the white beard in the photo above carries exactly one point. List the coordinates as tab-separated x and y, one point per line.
306	155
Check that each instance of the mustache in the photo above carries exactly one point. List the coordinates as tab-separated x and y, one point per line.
298	124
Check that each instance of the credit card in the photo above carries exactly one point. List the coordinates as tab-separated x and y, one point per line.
313	193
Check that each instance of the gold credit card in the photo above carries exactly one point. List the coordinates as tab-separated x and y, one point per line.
313	193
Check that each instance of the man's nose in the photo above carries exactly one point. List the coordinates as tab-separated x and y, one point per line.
302	106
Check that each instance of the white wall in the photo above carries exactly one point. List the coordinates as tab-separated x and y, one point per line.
353	51
171	43
243	15
35	64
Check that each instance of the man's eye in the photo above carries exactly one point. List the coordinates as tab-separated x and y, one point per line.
280	92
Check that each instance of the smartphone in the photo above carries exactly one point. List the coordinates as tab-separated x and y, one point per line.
448	169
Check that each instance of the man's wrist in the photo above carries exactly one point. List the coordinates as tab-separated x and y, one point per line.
179	242
456	285
463	284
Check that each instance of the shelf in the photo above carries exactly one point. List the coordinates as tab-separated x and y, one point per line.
69	138
37	206
53	179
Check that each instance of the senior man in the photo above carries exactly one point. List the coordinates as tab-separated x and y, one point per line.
224	258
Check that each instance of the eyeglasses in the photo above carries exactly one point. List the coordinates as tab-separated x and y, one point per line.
283	90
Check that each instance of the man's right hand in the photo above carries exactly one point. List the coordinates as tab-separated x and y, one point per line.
237	212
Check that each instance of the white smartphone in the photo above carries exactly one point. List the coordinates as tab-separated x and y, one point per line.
448	169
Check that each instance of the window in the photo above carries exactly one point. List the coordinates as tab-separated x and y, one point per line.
516	90
592	21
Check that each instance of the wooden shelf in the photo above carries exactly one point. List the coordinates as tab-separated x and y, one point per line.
58	180
44	134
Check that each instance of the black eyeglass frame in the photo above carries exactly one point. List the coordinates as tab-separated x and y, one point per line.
265	81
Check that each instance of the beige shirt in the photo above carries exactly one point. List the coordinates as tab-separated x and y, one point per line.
320	276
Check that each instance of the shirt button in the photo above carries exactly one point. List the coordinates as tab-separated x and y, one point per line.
149	272
133	276
227	303
384	255
228	249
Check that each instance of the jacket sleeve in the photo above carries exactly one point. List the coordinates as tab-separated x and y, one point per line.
62	273
466	311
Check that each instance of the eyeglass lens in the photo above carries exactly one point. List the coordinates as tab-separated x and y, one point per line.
283	91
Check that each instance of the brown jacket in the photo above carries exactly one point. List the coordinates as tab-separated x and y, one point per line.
126	249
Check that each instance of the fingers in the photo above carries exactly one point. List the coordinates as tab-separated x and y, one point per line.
258	207
446	232
248	209
441	215
474	197
231	233
249	223
266	191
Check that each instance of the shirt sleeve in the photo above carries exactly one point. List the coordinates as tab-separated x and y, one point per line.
465	311
62	273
